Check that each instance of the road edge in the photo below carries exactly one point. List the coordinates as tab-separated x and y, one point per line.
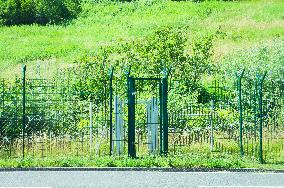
146	169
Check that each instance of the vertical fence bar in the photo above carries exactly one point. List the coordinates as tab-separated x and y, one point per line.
110	112
23	108
260	91
165	114
260	123
161	120
91	126
211	126
239	87
131	117
149	128
116	123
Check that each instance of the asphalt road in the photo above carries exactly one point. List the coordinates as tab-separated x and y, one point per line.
139	179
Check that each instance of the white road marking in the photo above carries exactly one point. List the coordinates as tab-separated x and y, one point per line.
26	187
239	186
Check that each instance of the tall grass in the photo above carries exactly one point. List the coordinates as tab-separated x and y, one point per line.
239	24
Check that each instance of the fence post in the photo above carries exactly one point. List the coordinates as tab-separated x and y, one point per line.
23	108
161	120
211	126
131	117
110	111
239	87
260	80
165	114
91	126
255	109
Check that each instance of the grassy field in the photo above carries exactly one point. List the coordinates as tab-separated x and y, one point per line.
240	25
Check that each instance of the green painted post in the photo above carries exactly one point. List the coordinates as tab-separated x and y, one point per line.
239	85
161	121
260	80
23	108
255	109
131	117
110	112
211	126
165	114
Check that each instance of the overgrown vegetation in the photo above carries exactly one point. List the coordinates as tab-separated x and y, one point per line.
162	51
182	161
197	46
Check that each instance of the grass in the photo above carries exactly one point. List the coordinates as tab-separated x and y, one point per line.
194	155
240	25
213	160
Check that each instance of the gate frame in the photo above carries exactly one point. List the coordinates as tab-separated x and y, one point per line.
163	95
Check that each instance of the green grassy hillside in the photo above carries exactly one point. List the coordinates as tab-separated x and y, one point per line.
241	25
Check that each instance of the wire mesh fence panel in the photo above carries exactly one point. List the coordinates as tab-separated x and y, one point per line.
130	115
231	123
46	118
11	121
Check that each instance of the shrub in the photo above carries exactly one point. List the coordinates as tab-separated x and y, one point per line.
148	57
16	12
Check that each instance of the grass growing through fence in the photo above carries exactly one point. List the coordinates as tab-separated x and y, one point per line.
239	25
196	154
205	160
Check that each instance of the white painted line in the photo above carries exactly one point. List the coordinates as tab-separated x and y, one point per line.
240	172
26	187
240	186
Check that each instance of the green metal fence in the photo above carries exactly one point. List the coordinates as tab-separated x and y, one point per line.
245	118
137	116
41	118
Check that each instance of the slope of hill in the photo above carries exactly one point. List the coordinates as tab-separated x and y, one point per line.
241	25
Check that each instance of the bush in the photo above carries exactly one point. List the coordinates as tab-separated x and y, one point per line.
16	12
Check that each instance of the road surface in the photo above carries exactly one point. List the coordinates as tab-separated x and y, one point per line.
77	179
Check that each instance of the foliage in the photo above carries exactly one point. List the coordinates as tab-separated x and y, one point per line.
181	46
148	57
16	12
182	161
258	59
9	126
239	25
